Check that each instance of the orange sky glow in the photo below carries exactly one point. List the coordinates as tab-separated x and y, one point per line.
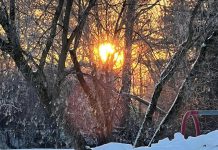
106	54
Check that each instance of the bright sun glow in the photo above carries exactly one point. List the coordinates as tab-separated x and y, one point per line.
108	55
106	51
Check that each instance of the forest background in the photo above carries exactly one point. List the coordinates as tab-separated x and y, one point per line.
78	72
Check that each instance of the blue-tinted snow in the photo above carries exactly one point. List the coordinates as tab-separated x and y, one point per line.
202	142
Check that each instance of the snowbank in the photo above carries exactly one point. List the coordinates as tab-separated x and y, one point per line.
202	142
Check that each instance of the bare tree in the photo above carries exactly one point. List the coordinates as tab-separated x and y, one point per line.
126	74
169	71
37	78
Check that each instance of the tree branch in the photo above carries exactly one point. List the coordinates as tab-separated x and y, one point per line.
143	10
77	31
65	45
169	71
35	78
116	29
4	46
12	10
77	34
145	102
187	84
52	34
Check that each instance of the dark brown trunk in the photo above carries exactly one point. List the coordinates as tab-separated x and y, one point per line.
126	74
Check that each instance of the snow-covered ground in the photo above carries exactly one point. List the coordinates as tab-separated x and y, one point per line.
202	142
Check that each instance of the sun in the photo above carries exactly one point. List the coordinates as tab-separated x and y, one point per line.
106	52
109	56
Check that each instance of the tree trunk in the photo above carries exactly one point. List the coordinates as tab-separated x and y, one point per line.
36	79
126	74
168	73
209	48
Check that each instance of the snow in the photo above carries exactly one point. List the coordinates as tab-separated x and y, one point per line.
203	45
114	146
202	142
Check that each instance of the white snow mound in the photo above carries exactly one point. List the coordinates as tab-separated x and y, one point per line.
203	142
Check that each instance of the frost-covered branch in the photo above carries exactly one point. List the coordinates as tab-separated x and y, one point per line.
169	71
